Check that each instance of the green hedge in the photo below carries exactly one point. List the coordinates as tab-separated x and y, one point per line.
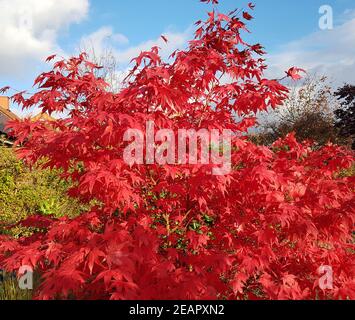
25	192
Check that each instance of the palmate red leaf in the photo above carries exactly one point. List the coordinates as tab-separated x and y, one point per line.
165	39
197	240
251	5
294	73
210	1
37	221
4	89
54	253
50	58
247	16
239	282
261	231
223	17
95	256
7	245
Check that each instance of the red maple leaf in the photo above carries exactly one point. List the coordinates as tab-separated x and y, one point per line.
294	73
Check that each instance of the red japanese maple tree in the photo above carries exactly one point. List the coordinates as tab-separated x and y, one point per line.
177	231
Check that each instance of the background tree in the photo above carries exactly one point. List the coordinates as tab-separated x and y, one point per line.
345	116
109	66
308	111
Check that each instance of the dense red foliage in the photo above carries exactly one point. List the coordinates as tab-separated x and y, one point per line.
178	232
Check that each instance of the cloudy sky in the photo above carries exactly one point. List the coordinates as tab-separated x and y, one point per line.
31	30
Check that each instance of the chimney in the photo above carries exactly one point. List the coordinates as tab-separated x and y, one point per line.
5	103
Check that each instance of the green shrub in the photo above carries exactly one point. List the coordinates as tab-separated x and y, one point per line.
25	192
348	173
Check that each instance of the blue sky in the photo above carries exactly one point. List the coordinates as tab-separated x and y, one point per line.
276	21
289	30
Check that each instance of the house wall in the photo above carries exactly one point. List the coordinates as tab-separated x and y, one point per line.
5	102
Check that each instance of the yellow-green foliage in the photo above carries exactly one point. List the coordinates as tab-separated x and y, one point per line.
348	173
25	192
9	290
351	172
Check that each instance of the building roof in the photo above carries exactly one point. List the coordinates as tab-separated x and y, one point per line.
5	116
42	117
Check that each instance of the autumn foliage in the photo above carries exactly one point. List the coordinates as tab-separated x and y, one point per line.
177	231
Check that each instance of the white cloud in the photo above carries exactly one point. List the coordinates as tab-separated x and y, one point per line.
29	30
105	39
111	50
328	52
176	40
